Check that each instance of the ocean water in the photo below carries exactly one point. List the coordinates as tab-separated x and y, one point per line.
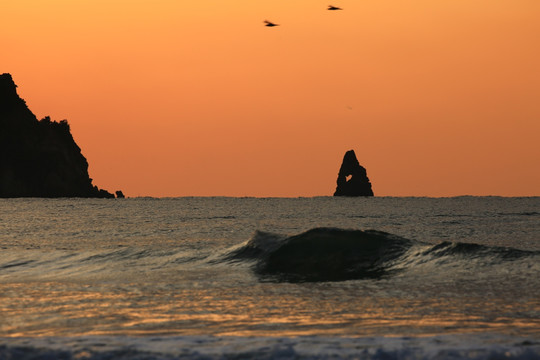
270	278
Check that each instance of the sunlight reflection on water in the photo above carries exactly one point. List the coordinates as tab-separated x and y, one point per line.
74	267
56	309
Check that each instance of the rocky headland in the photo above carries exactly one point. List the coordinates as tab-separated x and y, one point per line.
39	158
352	178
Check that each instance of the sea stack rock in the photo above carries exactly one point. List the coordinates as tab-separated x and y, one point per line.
352	178
39	158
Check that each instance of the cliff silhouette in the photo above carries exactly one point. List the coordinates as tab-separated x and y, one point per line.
39	158
352	178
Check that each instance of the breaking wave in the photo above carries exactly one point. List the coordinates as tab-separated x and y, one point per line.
332	254
316	255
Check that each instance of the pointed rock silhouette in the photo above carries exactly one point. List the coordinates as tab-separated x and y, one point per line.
38	158
352	178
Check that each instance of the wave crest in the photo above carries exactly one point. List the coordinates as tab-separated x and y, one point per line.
332	254
322	254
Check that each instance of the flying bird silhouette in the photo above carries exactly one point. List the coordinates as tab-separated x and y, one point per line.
332	7
268	23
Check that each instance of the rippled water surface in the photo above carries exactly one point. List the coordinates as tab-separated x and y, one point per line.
222	267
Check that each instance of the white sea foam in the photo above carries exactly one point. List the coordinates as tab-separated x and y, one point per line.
464	346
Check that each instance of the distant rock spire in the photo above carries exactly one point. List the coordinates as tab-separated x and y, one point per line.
352	178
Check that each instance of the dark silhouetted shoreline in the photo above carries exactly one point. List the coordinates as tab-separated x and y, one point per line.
39	158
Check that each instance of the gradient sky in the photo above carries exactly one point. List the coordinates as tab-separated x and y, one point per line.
178	98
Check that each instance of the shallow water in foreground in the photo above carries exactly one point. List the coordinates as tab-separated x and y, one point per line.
296	277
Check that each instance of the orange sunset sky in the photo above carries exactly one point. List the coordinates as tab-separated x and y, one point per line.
181	98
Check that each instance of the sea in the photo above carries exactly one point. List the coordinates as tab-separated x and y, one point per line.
270	278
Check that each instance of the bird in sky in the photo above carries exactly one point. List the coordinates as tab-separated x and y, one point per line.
332	7
268	23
